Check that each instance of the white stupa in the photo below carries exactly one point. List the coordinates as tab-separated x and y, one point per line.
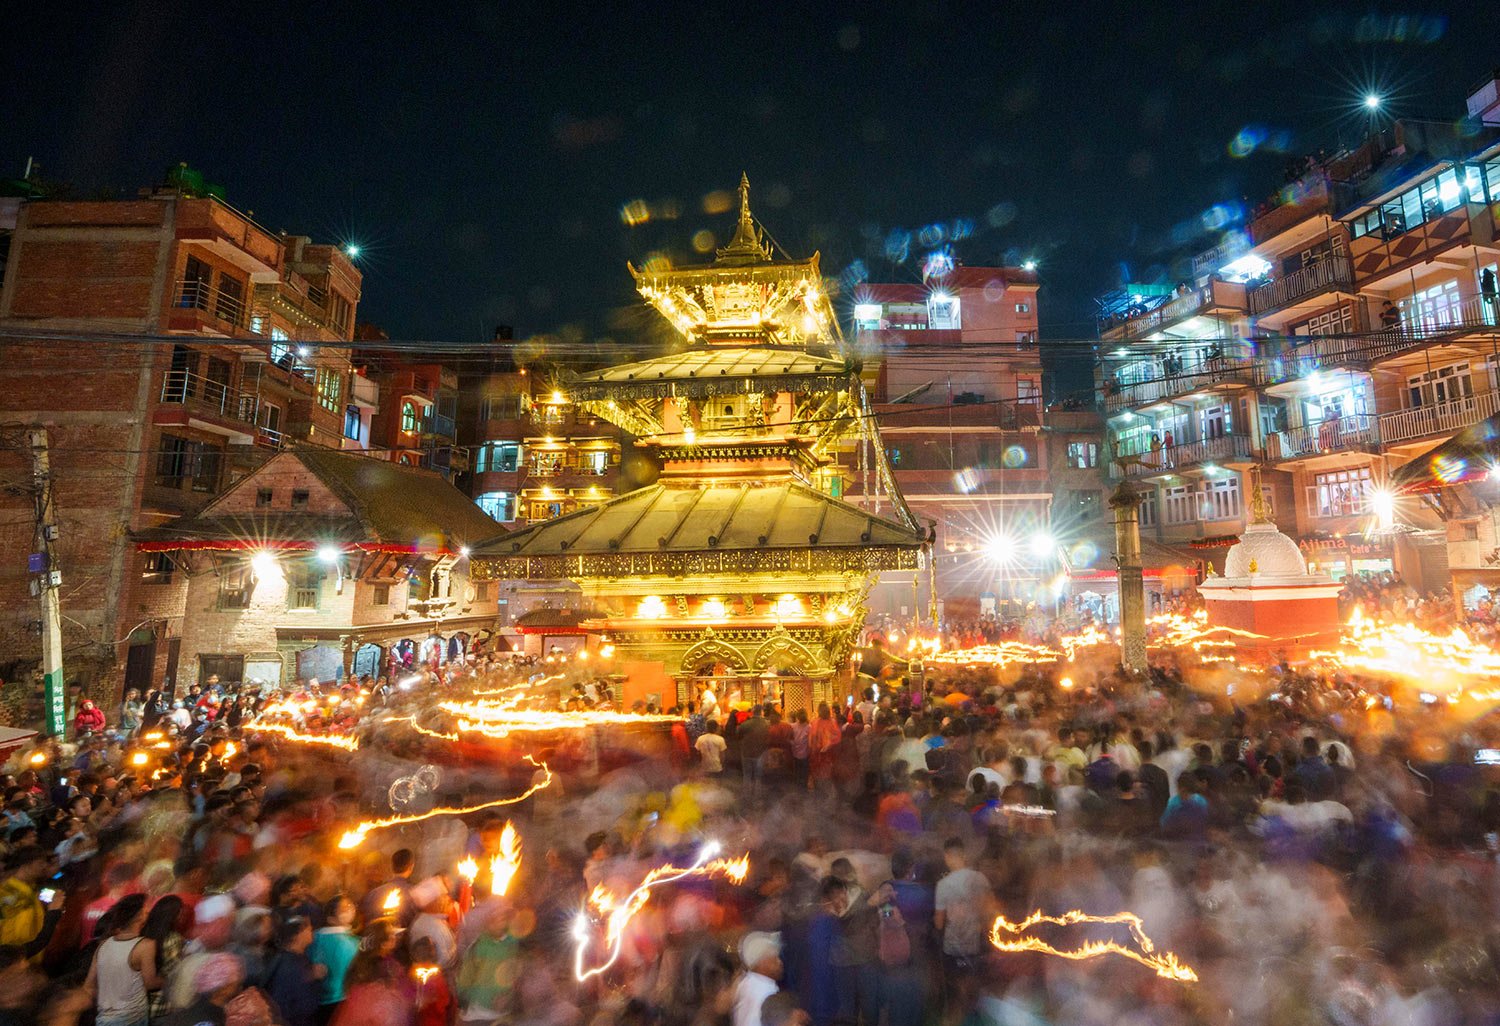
1266	588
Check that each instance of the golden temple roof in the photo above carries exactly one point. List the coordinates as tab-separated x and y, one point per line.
715	372
652	529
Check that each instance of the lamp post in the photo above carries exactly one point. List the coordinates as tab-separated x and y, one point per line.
1126	502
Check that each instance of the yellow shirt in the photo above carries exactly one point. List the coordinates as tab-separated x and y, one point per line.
21	913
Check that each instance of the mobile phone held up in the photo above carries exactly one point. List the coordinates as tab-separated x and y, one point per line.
46	895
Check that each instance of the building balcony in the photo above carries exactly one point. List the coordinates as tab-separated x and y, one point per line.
306	308
1355	433
1211	374
1137	461
1214	297
1427	422
1411	332
215	407
555	470
440	426
1330	275
199	306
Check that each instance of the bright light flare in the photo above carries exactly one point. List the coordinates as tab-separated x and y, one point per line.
329	553
423	973
392	901
618	913
1372	101
468	869
355	837
264	564
139	759
1010	937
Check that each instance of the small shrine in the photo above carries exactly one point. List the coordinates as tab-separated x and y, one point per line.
1267	590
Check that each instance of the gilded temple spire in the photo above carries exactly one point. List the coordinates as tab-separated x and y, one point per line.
746	246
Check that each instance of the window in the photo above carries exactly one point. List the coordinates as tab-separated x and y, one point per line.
186	464
500	407
1470	531
498	457
1023	308
1221	499
339	311
1343	493
304	586
409	417
235	587
1215	421
1441	194
1028	390
300	497
230	304
595	462
498	505
942	311
280	351
197	277
1179	504
1448	384
157	569
330	388
482	591
353	422
1147	515
380	595
1085	504
264	497
1338	321
1083	455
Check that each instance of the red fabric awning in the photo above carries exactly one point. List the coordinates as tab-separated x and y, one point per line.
283	545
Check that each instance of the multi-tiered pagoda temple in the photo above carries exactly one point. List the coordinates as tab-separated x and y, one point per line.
739	556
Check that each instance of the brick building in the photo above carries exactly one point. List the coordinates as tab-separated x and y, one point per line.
955	375
169	344
320	564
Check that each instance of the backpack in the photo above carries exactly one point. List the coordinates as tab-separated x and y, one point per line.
894	943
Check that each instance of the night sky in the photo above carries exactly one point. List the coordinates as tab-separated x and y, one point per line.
482	156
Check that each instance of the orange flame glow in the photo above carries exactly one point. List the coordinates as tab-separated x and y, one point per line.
1010	937
348	744
504	866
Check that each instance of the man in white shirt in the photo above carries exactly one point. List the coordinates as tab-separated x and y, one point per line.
709	703
711	749
761	953
431	896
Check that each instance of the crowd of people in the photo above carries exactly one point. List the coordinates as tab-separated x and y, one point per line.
1323	853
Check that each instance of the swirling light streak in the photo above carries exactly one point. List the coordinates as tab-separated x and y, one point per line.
1010	937
619	913
355	837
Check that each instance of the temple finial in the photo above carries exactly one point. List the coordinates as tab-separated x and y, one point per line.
746	246
1258	512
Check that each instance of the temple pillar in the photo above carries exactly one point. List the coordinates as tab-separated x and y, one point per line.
1126	503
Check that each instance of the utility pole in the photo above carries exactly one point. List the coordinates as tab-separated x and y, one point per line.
1126	503
46	581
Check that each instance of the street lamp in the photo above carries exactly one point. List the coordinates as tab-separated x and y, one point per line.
1372	102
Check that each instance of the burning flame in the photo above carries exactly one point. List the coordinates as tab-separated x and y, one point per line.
1007	936
618	913
504	866
355	837
468	869
1408	652
423	973
348	744
392	901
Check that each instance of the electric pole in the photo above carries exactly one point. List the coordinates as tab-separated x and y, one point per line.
46	580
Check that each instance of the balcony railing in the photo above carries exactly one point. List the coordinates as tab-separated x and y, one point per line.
198	294
1354	432
1207	374
556	468
440	425
1411	330
1439	418
1213	294
217	399
1181	456
1333	272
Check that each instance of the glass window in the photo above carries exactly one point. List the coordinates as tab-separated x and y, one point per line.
1083	455
1148	509
234	588
409	417
1221	499
157	569
1179	505
300	498
264	497
380	595
329	384
352	422
498	505
184	463
1343	493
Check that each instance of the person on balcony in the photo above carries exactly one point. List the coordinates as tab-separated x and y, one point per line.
1328	431
1390	317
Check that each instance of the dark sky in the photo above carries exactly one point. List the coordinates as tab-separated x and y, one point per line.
481	154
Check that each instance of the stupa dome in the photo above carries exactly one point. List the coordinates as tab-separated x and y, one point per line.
1272	554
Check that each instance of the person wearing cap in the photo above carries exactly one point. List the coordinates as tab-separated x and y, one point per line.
213	920
761	955
217	980
431	896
